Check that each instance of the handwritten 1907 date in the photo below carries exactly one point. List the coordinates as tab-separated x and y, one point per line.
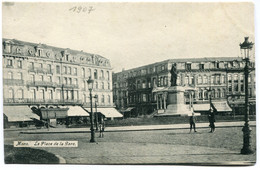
82	9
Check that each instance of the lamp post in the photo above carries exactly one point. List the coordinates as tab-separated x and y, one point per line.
246	46
90	87
96	114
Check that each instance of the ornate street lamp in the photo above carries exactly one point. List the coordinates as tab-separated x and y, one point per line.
246	46
90	87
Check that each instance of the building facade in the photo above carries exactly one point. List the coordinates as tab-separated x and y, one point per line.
222	77
43	76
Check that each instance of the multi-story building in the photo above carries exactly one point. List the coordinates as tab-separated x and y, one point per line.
44	76
222	77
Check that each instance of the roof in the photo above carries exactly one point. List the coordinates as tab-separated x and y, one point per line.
74	52
184	60
19	113
107	112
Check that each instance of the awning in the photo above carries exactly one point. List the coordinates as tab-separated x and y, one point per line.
76	111
19	113
201	107
107	112
222	106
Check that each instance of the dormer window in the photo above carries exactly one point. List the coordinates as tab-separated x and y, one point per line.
7	47
39	52
201	66
188	66
67	57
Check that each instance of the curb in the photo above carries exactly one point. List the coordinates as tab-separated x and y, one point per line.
128	130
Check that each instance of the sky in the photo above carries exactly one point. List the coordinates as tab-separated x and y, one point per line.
133	34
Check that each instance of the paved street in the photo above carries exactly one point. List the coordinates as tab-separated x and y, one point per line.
172	146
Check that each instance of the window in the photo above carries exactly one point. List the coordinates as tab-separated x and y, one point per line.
75	70
144	96
20	76
64	69
65	80
229	79
163	67
40	65
49	79
69	70
144	84
41	96
191	81
10	75
102	85
102	74
217	93
58	78
50	94
218	79
31	65
19	64
41	78
199	80
76	81
205	80
223	93
108	99
230	88
216	64
186	80
89	72
10	93
70	81
222	79
95	74
32	94
58	69
212	80
83	72
67	57
102	99
200	95
49	68
154	82
32	78
7	47
206	95
188	66
149	83
58	94
138	84
39	52
201	66
108	86
108	77
9	62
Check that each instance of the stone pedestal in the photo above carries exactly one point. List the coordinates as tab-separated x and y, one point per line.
176	102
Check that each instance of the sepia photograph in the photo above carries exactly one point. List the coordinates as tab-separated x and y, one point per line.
129	83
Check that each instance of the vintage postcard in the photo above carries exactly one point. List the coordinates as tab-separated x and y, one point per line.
158	83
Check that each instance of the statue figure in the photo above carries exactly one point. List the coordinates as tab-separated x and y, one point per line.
173	75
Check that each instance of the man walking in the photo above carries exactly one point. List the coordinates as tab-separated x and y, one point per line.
192	122
211	121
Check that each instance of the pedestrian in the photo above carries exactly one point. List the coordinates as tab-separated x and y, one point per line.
211	121
192	122
101	127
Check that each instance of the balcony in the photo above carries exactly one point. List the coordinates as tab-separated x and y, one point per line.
74	86
17	82
41	83
43	101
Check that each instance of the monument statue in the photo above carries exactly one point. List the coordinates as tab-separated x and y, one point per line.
173	75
